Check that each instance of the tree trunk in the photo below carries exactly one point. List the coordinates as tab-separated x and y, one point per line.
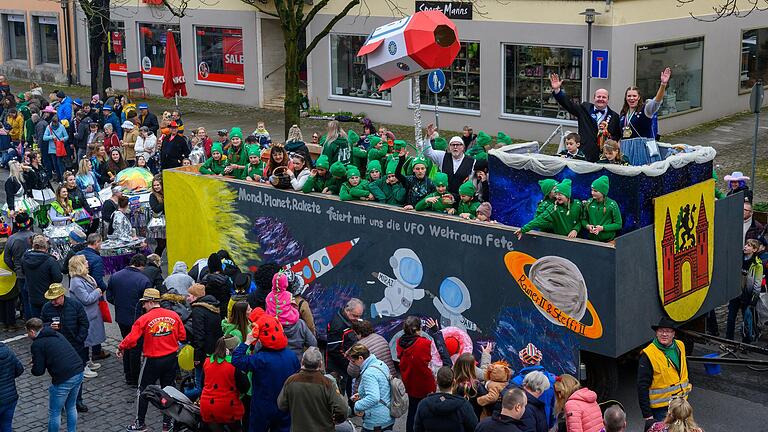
98	28
292	79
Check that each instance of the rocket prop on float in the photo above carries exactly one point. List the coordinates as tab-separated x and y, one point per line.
320	262
412	46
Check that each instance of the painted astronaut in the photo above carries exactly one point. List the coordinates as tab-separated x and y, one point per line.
400	291
454	299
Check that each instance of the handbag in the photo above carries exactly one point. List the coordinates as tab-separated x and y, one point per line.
43	196
61	150
157	221
106	315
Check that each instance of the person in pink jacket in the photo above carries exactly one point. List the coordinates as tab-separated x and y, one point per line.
577	405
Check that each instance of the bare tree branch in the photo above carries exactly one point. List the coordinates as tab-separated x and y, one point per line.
311	15
327	29
255	3
728	8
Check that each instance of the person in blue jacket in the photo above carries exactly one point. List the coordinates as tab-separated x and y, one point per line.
64	110
270	367
531	356
112	118
10	369
55	131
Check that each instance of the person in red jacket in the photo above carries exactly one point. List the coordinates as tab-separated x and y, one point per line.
162	330
414	352
220	404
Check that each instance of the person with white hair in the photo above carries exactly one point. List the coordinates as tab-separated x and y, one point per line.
309	396
340	338
615	419
535	415
458	167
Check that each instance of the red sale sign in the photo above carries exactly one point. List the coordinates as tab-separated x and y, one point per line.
232	45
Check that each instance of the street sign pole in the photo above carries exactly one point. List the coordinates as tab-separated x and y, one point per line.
755	104
437	115
436	84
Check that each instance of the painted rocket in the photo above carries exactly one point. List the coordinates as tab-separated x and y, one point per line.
320	262
411	46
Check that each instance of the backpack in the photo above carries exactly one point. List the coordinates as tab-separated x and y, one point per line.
398	405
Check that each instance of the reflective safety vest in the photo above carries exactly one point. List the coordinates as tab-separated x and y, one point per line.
667	381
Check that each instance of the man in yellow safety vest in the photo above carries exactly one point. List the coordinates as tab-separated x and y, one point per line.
662	372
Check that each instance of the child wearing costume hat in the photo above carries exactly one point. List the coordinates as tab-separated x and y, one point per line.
377	150
563	218
548	190
216	164
318	177
237	155
373	171
355	188
359	153
602	217
737	182
481	147
417	185
435	201
468	204
255	165
338	177
483	212
388	189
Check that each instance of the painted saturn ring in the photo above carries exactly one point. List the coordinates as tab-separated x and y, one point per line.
561	294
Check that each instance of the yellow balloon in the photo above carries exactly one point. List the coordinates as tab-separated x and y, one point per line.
6	282
187	358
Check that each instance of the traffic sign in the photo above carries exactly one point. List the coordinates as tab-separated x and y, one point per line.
436	81
600	64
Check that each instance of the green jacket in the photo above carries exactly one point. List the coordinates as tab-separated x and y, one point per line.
238	159
360	158
543	206
211	166
468	207
353	193
251	170
317	184
338	150
558	219
438	205
386	193
606	214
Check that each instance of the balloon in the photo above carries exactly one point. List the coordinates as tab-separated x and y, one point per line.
187	358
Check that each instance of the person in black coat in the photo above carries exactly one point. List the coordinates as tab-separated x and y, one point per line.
148	119
591	117
36	177
535	416
443	411
513	406
153	273
10	369
204	326
217	284
174	149
81	135
40	269
263	280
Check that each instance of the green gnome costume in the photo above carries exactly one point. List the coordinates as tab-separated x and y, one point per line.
359	154
257	169
468	208
338	150
605	213
237	156
318	183
440	179
479	150
559	219
373	165
546	202
388	193
353	193
212	166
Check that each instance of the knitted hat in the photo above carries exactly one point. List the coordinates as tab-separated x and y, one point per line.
77	235
441	179
279	301
457	139
601	184
483	139
216	147
255	314
503	138
530	354
374	140
352	137
440	144
564	188
467	189
197	290
253	151
338	169
236	132
547	185
23	221
271	334
352	171
373	165
391	167
418	161
231	342
322	162
398	144
484	209
452	344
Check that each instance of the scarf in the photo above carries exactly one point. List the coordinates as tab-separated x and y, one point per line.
671	352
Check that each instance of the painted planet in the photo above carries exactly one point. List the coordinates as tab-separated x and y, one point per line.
135	179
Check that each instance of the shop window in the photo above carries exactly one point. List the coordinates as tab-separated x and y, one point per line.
349	74
754	58
48	40
117	62
17	37
686	58
526	79
152	38
462	81
219	55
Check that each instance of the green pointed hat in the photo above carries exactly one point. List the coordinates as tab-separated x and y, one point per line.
503	138
467	189
481	156
216	147
399	144
418	161
441	179
352	171
483	139
440	144
392	167
373	165
253	151
601	184
322	162
547	185
564	188
236	132
352	137
338	169
374	140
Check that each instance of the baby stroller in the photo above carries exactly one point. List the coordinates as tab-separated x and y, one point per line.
172	402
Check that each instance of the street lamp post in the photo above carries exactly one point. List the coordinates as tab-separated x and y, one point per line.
589	18
65	16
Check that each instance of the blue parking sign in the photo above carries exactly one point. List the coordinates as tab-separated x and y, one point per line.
600	64
436	81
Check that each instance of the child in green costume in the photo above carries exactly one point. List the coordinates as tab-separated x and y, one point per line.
436	201
318	177
563	217
359	154
355	188
338	177
548	190
237	155
255	167
481	147
602	217
388	190
468	204
216	164
373	171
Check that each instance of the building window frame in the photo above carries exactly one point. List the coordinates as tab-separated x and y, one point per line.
177	35
700	38
450	109
115	72
41	55
335	97
197	60
742	90
533	118
16	18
